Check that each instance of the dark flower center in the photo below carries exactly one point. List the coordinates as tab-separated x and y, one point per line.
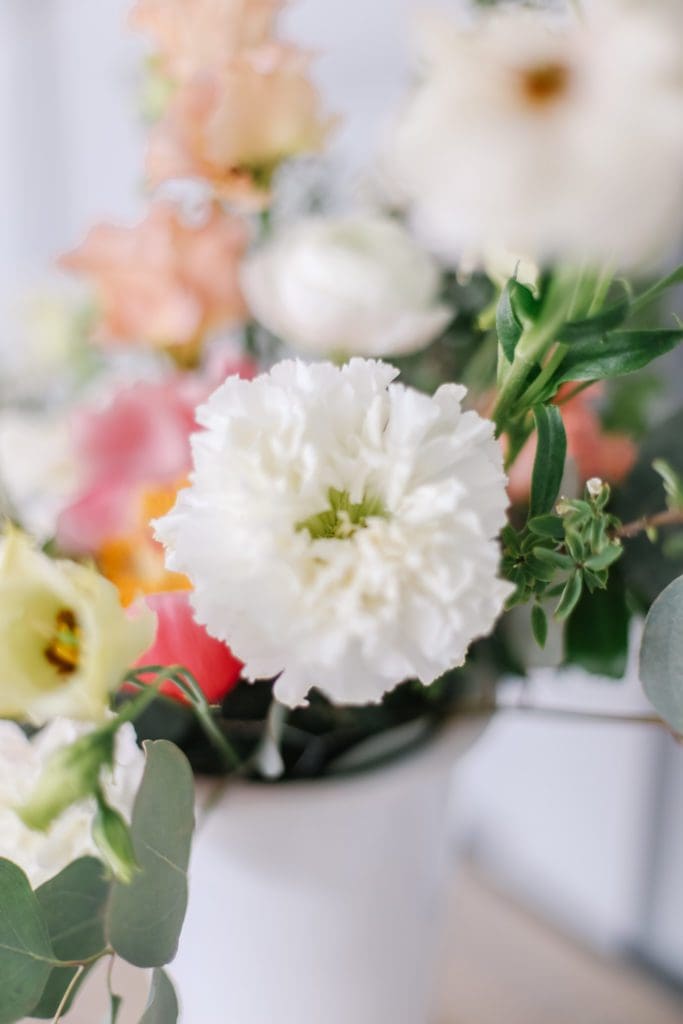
64	648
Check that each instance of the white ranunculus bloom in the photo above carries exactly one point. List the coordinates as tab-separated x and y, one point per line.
556	137
346	286
340	528
44	854
39	472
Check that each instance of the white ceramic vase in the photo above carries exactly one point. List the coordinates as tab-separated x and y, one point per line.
320	902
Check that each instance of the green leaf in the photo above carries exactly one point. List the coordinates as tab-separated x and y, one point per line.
676	277
115	1007
661	655
595	327
603	559
73	904
551	452
162	1007
616	353
596	635
539	625
145	918
26	955
547	526
517	304
112	837
570	597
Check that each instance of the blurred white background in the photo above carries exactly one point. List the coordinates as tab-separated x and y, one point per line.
583	820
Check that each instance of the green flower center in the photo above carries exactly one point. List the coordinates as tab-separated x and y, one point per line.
63	650
343	517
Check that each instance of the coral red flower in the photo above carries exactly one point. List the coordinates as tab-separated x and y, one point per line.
180	640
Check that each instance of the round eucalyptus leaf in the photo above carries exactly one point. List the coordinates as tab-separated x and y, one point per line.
26	955
661	655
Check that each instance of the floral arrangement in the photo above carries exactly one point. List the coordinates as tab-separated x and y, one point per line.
243	535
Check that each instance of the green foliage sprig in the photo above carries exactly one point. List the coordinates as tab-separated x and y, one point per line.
562	553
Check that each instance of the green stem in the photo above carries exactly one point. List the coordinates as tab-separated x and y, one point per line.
602	287
186	682
676	277
536	389
532	346
70	989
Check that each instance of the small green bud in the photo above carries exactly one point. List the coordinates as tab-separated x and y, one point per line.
69	776
113	839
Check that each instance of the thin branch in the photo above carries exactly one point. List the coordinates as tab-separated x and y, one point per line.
70	989
671	517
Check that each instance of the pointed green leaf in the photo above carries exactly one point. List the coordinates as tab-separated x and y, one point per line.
115	1007
595	327
551	451
539	625
661	655
145	917
73	904
570	597
516	305
615	354
162	1007
608	556
547	526
26	955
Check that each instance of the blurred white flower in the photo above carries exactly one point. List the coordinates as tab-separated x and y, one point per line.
46	353
555	137
346	286
43	855
340	528
39	473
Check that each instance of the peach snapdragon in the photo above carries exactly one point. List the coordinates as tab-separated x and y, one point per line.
164	282
234	126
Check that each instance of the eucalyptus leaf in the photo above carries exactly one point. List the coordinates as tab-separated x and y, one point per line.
615	354
73	904
551	452
144	918
26	954
162	1006
661	655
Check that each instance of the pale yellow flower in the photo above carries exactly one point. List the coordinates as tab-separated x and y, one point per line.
66	641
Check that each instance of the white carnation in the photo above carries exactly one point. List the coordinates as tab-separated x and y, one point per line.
346	286
557	137
340	528
44	854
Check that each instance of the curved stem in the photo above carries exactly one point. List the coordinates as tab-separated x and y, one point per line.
70	989
672	517
187	684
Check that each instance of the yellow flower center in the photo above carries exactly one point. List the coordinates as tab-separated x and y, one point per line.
343	518
544	84
63	650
